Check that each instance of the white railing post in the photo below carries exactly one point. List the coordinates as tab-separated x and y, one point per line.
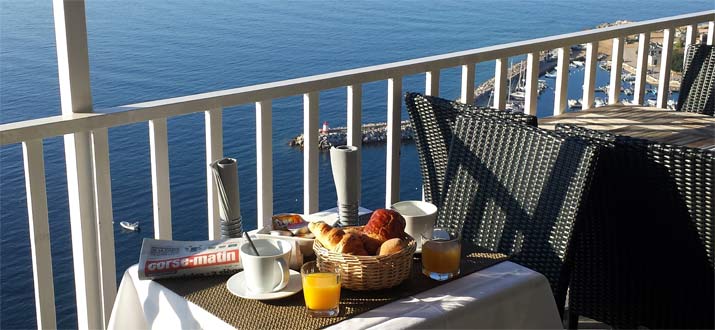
711	33
310	151
354	105
467	86
394	135
80	187
532	79
614	93
105	228
562	81
432	83
500	83
664	76
76	97
160	186
39	234
264	163
642	68
589	79
691	35
213	123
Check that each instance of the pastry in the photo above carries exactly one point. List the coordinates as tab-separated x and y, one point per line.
371	245
351	244
326	235
391	246
385	224
354	230
290	222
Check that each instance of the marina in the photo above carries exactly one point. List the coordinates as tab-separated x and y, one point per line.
376	133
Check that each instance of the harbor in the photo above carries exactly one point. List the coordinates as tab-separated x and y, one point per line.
376	133
547	62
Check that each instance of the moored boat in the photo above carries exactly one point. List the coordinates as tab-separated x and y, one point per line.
518	95
599	102
628	77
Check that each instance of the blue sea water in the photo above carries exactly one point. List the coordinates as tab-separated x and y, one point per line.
146	50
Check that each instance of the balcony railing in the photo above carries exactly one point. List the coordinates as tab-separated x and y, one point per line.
87	144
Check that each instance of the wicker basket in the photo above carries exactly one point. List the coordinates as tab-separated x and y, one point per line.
368	272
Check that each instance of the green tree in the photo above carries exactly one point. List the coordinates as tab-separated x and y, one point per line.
676	60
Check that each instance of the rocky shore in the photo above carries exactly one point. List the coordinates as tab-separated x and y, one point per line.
373	133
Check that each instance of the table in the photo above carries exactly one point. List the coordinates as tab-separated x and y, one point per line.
665	126
505	295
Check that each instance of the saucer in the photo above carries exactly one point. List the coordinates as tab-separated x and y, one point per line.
236	284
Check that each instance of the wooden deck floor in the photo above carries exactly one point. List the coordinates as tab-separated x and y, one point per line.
666	126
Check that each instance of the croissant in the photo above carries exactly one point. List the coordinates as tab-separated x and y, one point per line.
325	234
351	244
371	245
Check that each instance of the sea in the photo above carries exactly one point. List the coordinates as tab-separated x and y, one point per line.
147	50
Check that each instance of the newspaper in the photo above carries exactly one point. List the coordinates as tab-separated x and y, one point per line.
167	258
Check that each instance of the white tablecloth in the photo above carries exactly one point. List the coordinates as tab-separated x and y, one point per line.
505	295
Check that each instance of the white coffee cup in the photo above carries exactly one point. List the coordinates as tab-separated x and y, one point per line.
267	272
420	218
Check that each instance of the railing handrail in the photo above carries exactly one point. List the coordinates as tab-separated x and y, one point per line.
141	112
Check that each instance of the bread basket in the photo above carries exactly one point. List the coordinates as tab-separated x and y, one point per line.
364	273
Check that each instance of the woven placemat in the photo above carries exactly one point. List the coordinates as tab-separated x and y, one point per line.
210	293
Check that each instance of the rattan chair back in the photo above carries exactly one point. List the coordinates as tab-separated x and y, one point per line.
432	119
517	189
697	87
643	246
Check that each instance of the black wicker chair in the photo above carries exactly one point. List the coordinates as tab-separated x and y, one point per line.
432	119
517	189
643	247
697	88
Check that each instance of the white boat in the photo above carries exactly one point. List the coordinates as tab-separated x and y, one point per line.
518	95
133	226
574	104
550	74
578	64
541	86
672	104
514	107
603	89
599	102
628	77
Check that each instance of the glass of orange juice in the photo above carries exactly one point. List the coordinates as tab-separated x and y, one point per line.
441	254
321	289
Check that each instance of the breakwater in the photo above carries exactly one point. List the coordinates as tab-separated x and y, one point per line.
373	133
